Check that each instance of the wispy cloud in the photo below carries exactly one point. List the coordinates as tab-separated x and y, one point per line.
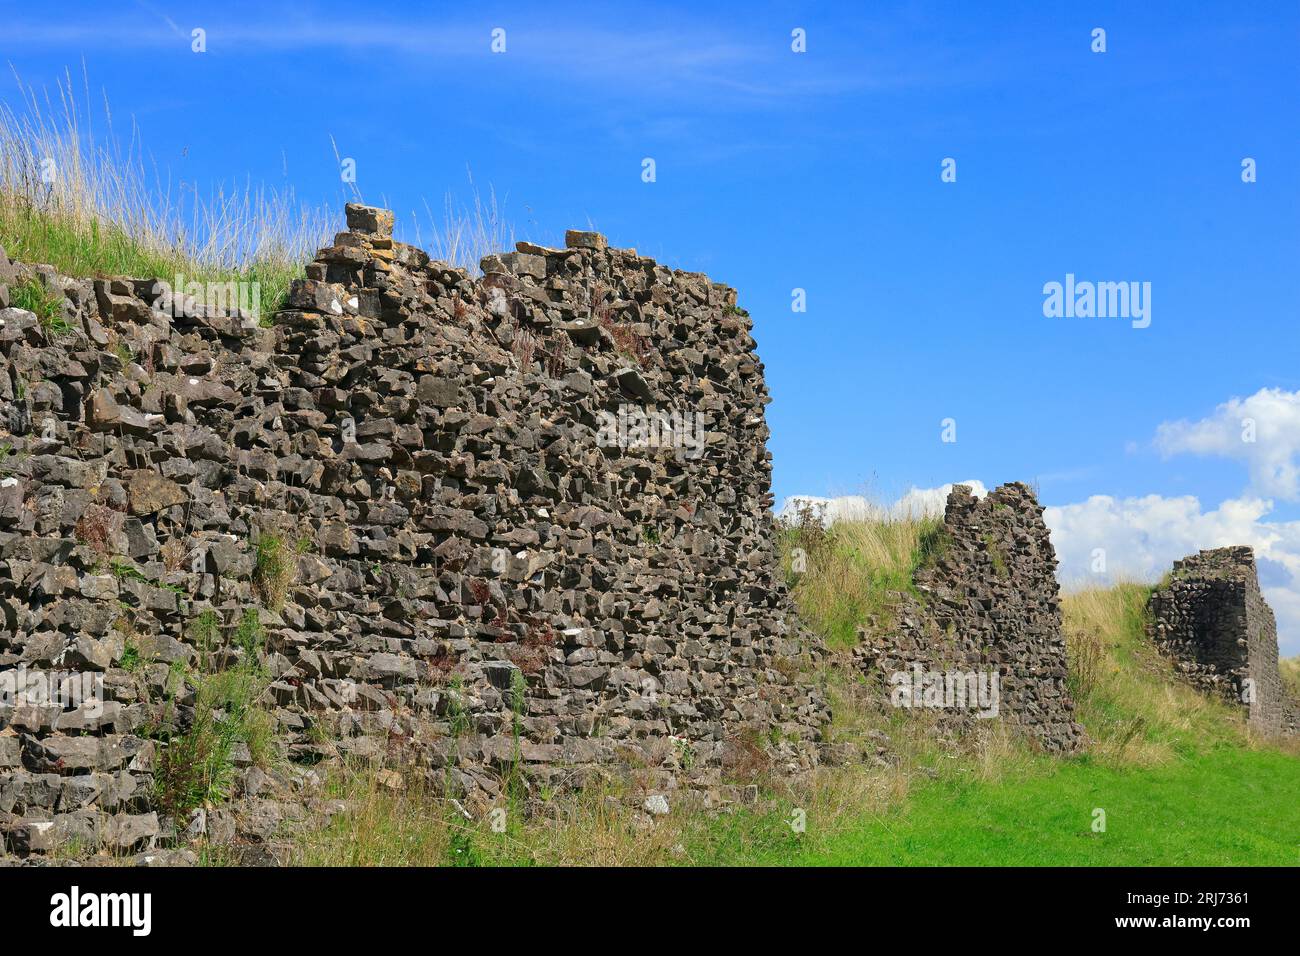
1262	430
161	16
694	58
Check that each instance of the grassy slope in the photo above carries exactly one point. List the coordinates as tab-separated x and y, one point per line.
846	573
1290	667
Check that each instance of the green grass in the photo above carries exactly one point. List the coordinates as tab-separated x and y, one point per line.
83	247
197	767
273	569
45	304
1224	807
130	660
250	636
78	247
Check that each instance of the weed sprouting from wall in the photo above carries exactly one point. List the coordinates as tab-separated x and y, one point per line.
273	569
45	304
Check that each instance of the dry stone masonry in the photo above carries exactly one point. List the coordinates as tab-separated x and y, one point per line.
515	525
512	531
988	603
1210	617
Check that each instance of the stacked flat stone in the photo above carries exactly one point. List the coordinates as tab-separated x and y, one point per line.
990	603
1210	617
425	442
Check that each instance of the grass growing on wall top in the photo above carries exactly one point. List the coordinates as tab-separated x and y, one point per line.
76	195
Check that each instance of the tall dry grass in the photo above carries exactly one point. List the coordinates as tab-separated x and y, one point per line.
1290	668
373	823
465	232
87	199
383	819
844	575
83	196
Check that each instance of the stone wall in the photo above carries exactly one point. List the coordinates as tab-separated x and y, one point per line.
1210	617
988	603
435	498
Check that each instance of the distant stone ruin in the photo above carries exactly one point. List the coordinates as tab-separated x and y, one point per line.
1210	617
989	605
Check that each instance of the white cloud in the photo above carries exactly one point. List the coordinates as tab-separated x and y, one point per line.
1263	431
918	502
692	57
1141	537
1285	603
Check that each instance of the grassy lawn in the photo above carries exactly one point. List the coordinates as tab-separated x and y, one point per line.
1224	807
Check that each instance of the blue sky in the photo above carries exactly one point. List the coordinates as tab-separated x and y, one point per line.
821	171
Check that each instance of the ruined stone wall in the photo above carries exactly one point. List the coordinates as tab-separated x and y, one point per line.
1212	620
988	603
488	566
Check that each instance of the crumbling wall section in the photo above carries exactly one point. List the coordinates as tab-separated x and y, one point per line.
987	604
518	526
1211	619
